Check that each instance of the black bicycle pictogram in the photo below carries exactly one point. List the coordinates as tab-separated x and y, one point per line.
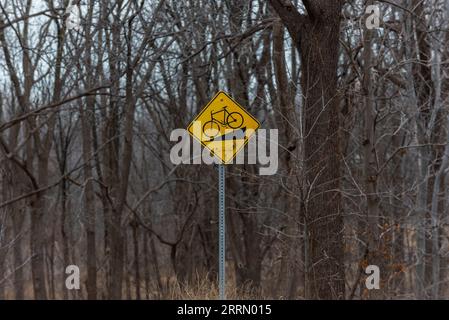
233	120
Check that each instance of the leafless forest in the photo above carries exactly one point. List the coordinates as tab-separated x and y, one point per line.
86	179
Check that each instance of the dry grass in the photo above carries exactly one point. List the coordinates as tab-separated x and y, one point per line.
203	289
199	289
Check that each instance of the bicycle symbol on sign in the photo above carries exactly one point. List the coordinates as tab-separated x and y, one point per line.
233	120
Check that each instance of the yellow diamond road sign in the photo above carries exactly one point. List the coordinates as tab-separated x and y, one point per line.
223	127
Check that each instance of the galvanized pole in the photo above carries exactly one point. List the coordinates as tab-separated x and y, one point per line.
221	232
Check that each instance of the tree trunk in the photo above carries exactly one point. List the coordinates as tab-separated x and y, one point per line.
136	252
376	250
89	198
316	36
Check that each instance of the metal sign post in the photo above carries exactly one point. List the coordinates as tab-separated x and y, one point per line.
224	128
221	231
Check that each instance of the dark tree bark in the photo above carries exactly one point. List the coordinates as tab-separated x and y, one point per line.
316	36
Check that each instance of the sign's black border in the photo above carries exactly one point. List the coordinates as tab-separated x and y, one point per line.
205	108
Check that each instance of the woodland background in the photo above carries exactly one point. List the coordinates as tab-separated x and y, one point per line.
85	175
